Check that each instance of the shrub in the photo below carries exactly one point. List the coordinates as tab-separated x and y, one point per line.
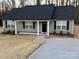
5	32
54	32
61	32
8	32
68	33
13	32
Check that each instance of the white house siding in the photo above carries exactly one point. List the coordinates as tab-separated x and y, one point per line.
4	26
20	28
64	31
51	27
71	26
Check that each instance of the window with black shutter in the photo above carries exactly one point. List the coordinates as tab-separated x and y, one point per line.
6	23
67	25
23	25
33	25
54	25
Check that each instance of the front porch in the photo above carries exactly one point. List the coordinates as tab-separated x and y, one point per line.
32	27
39	27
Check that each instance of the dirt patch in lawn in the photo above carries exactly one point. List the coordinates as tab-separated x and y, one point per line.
17	46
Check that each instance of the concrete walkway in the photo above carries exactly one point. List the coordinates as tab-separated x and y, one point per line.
41	38
57	49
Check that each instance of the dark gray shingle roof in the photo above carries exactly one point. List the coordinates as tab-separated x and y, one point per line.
64	12
41	12
31	13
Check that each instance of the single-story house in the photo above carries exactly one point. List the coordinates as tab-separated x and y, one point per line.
40	19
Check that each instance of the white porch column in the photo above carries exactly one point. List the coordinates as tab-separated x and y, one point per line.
15	27
48	28
37	27
73	27
4	25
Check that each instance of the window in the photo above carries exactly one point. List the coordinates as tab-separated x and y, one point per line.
61	25
10	24
28	25
64	25
58	27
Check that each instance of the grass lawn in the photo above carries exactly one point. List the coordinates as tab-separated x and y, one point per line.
76	31
17	46
21	46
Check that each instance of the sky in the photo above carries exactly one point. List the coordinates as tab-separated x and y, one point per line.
0	0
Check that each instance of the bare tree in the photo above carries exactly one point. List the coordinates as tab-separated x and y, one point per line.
62	2
13	3
56	2
22	3
9	3
3	8
75	3
38	2
6	6
68	2
52	1
46	1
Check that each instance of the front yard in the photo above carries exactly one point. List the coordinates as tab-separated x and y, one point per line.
76	31
17	46
59	35
20	46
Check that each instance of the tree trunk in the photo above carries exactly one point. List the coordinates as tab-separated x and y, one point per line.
52	1
62	2
38	2
56	2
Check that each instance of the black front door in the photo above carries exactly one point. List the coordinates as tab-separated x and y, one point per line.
44	26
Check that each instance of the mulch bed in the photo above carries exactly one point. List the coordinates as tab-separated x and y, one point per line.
60	35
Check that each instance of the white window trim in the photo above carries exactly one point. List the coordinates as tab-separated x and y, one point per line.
61	25
10	23
28	24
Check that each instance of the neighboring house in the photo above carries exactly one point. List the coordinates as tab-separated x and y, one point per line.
40	19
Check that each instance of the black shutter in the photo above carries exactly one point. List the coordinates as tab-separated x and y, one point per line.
23	25
6	23
33	25
54	25
67	25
